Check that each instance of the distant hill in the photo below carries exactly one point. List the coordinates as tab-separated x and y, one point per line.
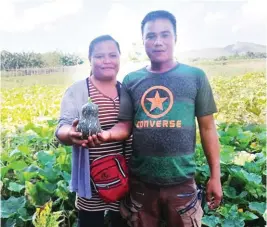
237	48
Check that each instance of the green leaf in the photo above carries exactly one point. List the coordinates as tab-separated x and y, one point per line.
5	157
10	207
24	149
31	192
258	207
204	170
29	173
15	152
233	222
62	190
36	195
227	154
57	202
4	171
256	190
229	211
210	221
233	212
75	224
260	159
229	192
232	131
11	222
29	126
24	215
255	110
254	128
244	175
261	138
251	177
49	174
46	187
252	167
244	138
32	169
248	216
226	139
265	215
17	165
52	123
66	176
46	158
13	186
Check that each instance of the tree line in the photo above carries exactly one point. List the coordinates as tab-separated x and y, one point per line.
19	60
247	55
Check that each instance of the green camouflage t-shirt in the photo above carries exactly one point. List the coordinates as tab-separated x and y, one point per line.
163	107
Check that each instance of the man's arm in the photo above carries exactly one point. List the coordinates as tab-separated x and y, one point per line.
123	128
120	131
210	144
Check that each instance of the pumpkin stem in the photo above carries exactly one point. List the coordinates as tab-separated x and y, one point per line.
89	99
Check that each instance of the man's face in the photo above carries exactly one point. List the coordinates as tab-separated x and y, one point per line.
159	40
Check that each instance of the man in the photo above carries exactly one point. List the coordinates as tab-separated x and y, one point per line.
159	104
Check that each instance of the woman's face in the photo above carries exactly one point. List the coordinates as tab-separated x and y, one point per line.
105	60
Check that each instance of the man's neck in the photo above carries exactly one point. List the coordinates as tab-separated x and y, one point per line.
161	67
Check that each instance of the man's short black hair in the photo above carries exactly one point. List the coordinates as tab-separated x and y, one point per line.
159	14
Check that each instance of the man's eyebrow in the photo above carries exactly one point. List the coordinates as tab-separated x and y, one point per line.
150	33
165	31
162	32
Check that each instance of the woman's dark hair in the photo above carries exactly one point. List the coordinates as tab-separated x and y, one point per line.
100	39
159	14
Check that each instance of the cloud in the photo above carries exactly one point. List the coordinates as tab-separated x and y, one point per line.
213	18
123	24
49	28
252	14
18	20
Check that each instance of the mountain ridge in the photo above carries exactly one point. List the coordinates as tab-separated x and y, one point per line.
239	48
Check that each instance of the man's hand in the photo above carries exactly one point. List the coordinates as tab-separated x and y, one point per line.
96	140
74	136
214	193
119	132
210	144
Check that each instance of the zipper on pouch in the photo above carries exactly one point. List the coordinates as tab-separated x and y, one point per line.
108	184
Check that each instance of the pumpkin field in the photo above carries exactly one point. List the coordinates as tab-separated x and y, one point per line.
35	168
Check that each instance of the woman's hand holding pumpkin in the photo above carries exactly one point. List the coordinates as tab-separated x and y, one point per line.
76	137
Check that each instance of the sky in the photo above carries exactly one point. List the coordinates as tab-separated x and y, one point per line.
70	25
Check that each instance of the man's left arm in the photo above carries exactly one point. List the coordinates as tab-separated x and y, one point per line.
211	147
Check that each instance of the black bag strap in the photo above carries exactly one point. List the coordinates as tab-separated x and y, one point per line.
118	87
87	84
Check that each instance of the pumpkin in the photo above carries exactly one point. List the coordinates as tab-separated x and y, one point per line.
89	123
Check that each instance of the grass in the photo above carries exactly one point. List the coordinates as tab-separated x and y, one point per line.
232	67
24	81
212	69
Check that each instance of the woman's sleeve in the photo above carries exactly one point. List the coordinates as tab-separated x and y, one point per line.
68	109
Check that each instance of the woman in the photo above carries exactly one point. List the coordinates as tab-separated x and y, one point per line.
104	56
